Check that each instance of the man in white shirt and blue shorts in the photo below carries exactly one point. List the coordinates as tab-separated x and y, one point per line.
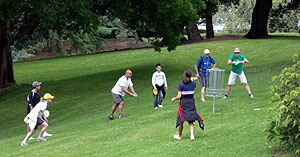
118	92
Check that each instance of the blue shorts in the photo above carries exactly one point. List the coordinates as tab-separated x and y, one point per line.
204	81
39	122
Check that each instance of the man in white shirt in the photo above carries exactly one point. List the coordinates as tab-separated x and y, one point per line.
118	92
159	82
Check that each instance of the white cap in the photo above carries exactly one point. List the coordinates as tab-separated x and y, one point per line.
206	51
236	50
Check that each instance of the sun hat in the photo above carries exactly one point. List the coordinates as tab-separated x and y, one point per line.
236	50
48	96
36	83
206	51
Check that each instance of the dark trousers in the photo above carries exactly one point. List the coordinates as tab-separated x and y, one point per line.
158	97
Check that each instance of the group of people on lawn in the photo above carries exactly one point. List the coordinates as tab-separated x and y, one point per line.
186	89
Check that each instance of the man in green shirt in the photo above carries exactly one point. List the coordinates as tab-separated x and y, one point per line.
237	62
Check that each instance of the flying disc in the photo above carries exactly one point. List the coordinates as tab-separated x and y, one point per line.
236	63
46	113
194	78
154	91
135	95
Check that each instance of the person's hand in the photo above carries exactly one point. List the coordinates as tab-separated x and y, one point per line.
242	62
131	94
135	95
46	120
155	87
166	88
198	75
173	99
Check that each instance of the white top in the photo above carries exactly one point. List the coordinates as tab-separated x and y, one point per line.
123	81
159	78
37	111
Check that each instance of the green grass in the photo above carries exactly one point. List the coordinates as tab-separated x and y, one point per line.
81	86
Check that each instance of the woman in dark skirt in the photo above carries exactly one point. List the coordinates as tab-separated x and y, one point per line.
187	110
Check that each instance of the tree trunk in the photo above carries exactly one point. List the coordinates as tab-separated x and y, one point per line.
260	15
136	36
6	66
209	22
193	32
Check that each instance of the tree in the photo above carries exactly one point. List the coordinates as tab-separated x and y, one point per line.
167	18
260	17
53	14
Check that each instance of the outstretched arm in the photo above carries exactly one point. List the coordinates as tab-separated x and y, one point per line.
126	91
177	97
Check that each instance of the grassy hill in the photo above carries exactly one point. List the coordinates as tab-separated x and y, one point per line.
81	86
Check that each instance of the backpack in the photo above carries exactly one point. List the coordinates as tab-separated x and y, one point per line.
199	66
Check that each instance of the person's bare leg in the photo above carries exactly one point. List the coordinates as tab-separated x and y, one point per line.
247	88
28	129
113	109
180	128
44	127
191	124
29	135
228	89
121	108
202	93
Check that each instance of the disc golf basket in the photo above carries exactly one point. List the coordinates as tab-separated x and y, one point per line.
215	85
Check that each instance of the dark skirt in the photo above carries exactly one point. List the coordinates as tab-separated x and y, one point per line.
187	112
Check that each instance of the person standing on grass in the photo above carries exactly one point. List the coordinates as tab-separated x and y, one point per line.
187	109
159	82
36	117
118	92
237	62
33	98
299	26
202	68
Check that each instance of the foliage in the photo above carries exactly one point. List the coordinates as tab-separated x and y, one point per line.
285	123
284	16
237	18
167	18
19	55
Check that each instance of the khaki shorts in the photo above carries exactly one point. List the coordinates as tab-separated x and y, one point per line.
233	76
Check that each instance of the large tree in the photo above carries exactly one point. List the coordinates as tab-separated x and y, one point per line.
260	16
51	14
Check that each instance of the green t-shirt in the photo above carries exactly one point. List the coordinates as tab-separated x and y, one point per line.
239	67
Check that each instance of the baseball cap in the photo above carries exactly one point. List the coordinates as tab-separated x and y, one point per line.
206	51
48	96
36	83
236	50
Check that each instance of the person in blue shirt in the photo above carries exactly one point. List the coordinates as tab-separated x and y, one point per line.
187	109
202	68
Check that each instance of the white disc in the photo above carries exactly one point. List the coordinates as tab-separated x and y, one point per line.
46	113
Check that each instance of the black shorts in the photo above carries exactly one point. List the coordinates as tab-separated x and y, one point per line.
39	122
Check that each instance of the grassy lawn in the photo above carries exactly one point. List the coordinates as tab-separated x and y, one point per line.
81	86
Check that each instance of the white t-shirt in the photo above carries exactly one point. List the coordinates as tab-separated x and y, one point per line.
159	78
123	81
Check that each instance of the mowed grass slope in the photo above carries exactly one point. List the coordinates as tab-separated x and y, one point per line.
82	84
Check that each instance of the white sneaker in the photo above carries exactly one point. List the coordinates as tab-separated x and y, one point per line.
40	139
46	134
31	138
225	97
160	106
251	96
23	143
203	100
155	107
177	137
192	138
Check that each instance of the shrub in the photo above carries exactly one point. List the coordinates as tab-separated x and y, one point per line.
19	55
284	123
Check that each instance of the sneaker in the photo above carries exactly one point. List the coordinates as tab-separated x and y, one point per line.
177	137
120	117
23	143
160	106
251	96
41	139
225	97
31	138
155	107
46	134
192	138
111	117
203	100
201	124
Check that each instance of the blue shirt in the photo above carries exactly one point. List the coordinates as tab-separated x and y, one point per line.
187	90
206	63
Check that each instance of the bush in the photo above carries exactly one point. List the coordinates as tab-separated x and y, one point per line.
19	55
285	120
